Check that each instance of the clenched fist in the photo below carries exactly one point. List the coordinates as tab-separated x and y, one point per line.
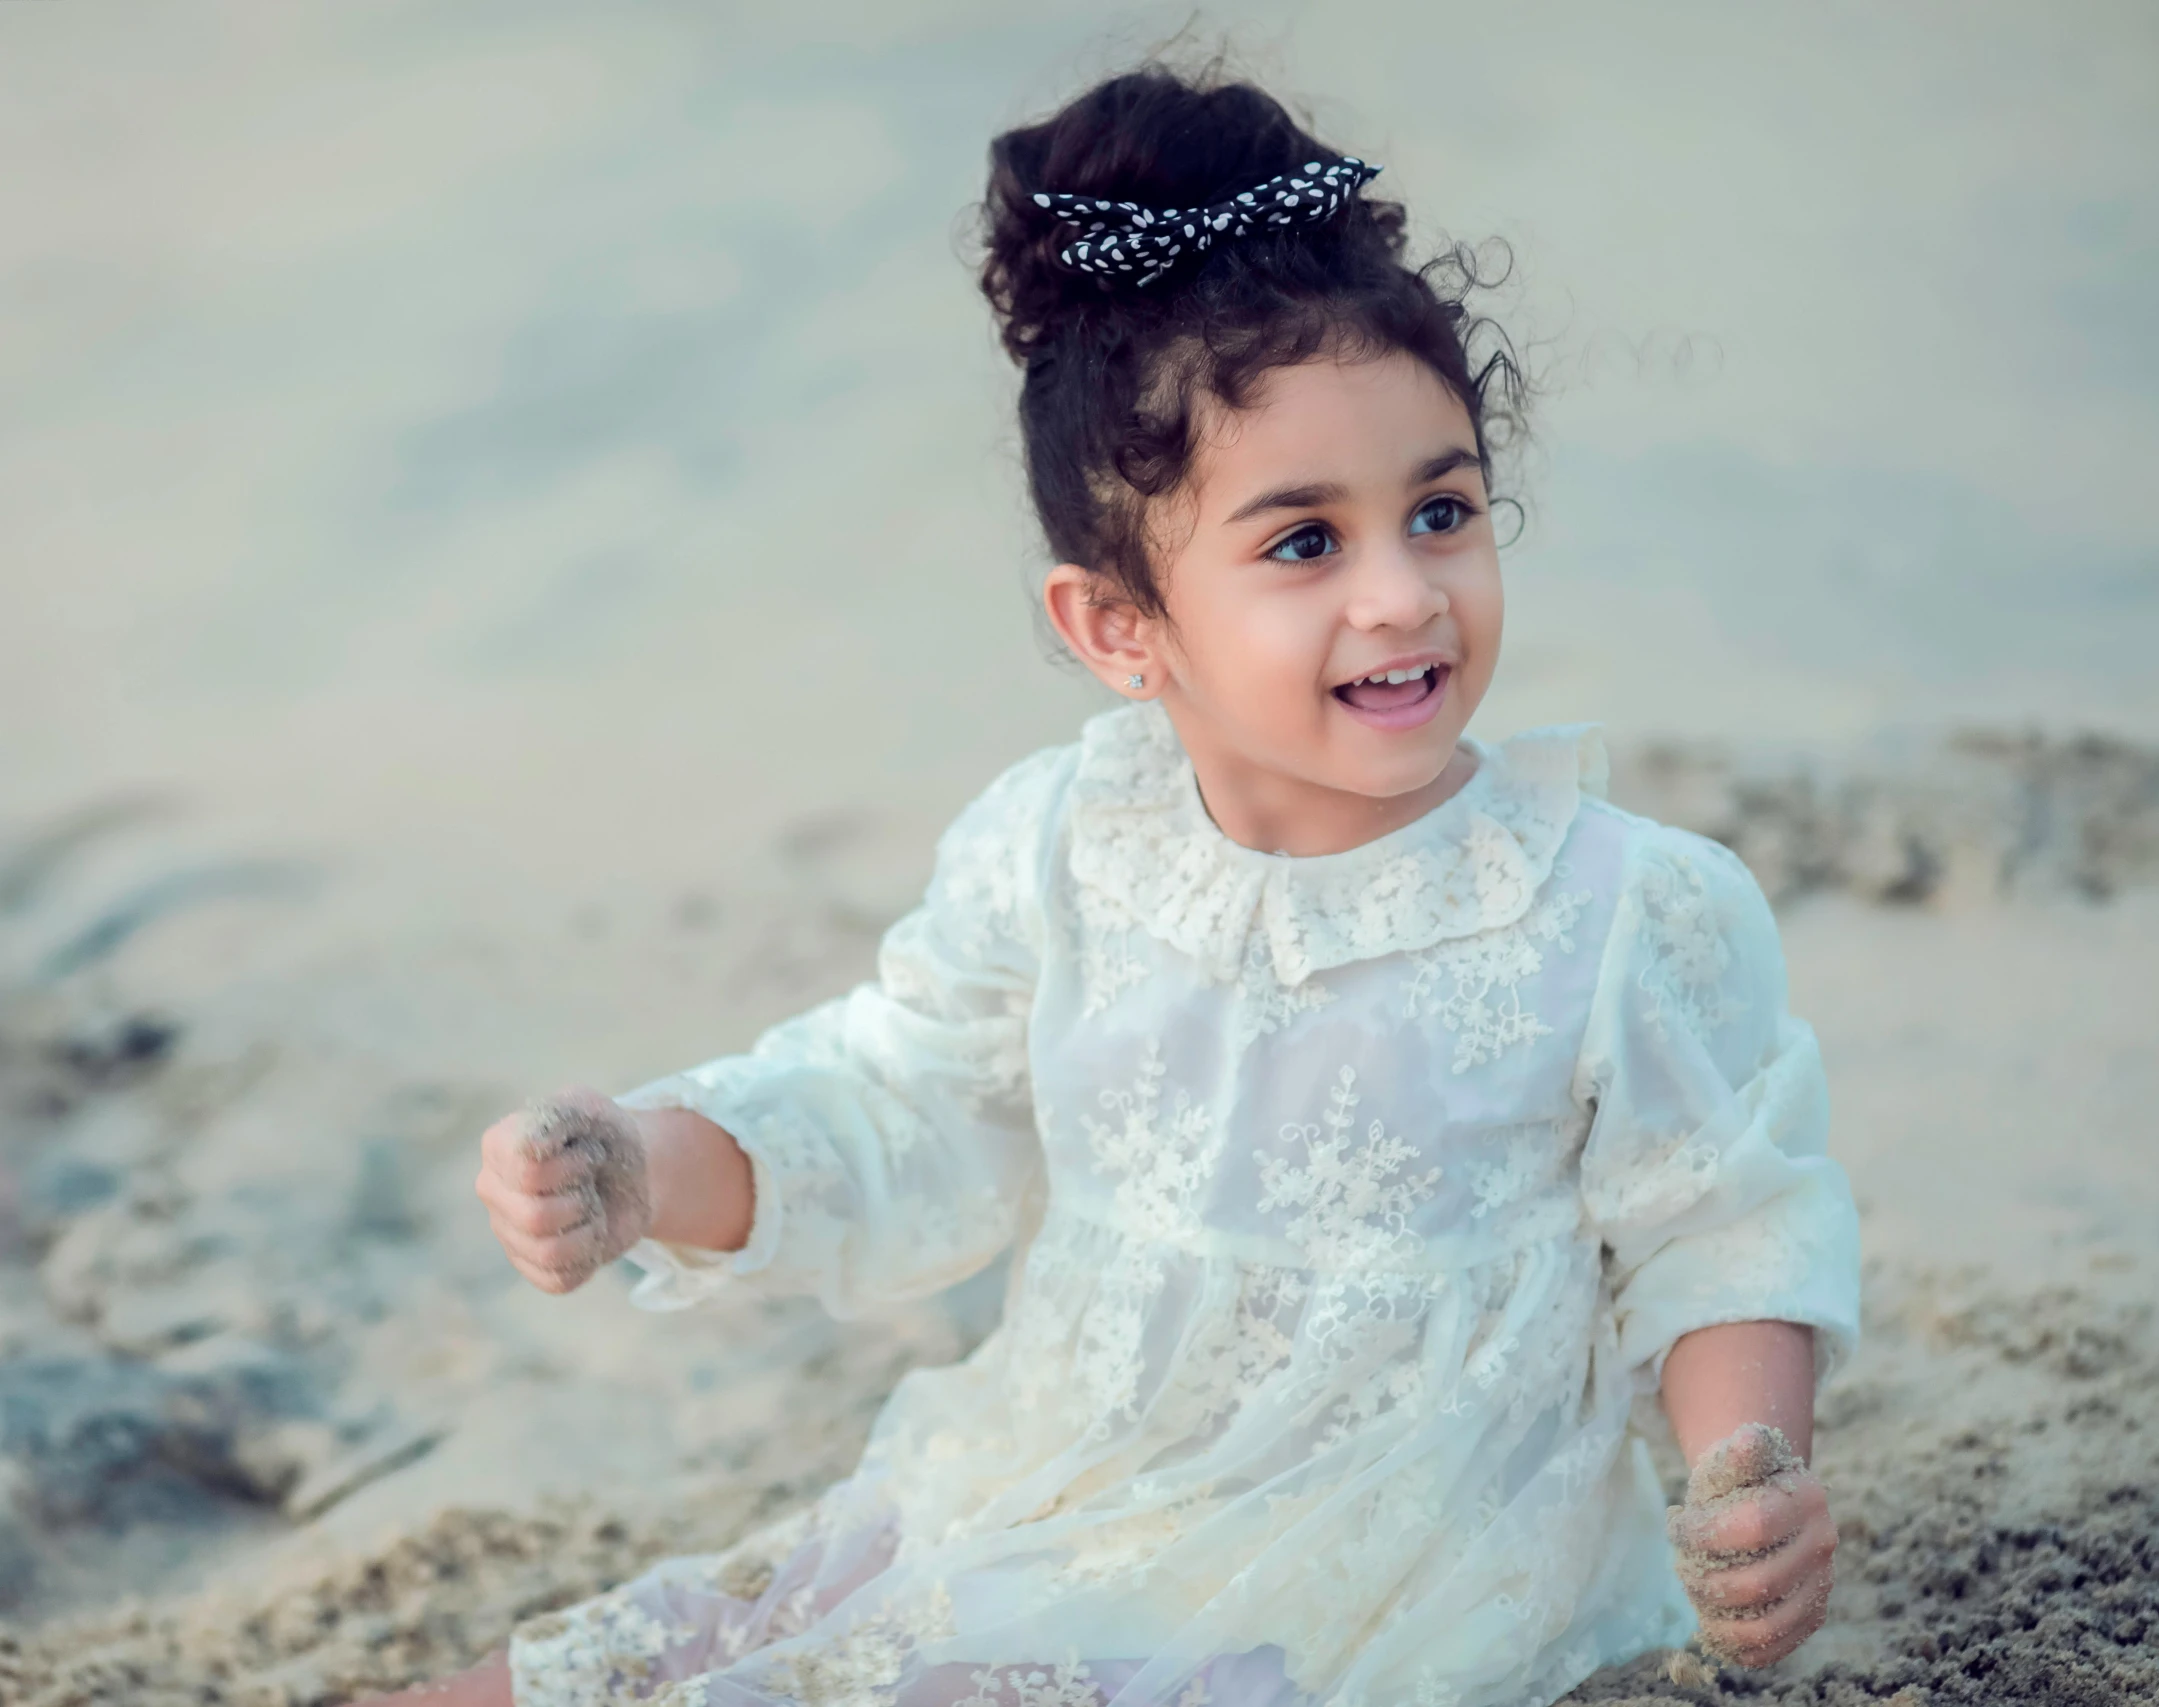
566	1188
1756	1547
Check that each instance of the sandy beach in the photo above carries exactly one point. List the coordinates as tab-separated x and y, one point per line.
514	549
267	1374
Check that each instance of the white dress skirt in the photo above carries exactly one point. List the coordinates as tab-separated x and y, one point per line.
1353	1201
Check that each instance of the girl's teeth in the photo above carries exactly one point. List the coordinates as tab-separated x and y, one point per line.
1397	677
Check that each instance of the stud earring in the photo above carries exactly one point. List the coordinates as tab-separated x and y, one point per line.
1135	683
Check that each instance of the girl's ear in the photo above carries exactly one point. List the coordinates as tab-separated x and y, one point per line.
1109	635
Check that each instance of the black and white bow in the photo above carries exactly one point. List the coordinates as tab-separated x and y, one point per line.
1125	240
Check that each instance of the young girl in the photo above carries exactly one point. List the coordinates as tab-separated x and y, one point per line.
1382	1124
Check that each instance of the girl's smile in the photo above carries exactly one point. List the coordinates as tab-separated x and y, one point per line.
1397	695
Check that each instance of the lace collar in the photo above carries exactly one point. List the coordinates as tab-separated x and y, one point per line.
1141	841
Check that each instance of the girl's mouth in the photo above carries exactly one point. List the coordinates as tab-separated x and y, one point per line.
1396	699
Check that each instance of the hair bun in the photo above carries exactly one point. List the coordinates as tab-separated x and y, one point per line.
1150	138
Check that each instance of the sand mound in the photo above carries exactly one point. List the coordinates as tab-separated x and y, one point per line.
1994	1464
1974	815
2062	1612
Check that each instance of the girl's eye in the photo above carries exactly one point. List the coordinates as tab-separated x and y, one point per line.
1304	545
1440	515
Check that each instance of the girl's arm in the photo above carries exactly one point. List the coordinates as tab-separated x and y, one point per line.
1717	1379
702	1189
876	1148
1756	1544
1731	1237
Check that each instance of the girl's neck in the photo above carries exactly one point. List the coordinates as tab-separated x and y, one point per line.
1274	813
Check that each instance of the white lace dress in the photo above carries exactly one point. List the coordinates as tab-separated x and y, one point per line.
1354	1202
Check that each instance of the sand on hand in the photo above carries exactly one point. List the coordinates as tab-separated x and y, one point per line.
606	1162
1750	1458
1730	1473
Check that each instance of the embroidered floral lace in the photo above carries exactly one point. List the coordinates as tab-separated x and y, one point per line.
1353	1203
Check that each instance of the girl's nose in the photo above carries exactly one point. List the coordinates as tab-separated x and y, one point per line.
1392	589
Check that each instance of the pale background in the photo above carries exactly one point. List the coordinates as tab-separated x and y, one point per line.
462	428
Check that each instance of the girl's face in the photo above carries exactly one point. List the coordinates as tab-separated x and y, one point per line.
1333	606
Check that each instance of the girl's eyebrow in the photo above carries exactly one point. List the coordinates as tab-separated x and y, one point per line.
1291	498
1448	460
1315	493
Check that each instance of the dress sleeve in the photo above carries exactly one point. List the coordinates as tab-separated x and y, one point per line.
891	1130
1705	1170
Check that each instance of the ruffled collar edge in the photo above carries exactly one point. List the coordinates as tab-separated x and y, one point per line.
1141	842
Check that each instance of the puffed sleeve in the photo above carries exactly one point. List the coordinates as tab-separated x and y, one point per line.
1705	1170
891	1130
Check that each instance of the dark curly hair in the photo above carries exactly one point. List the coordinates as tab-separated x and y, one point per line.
1115	372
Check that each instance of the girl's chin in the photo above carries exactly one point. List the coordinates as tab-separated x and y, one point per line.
1411	778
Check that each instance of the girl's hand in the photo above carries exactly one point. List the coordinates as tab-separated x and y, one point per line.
566	1189
1756	1547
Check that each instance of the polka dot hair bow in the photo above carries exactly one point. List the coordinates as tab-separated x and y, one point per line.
1127	241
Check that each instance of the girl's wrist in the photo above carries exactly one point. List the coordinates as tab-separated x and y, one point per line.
701	1184
1719	1379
